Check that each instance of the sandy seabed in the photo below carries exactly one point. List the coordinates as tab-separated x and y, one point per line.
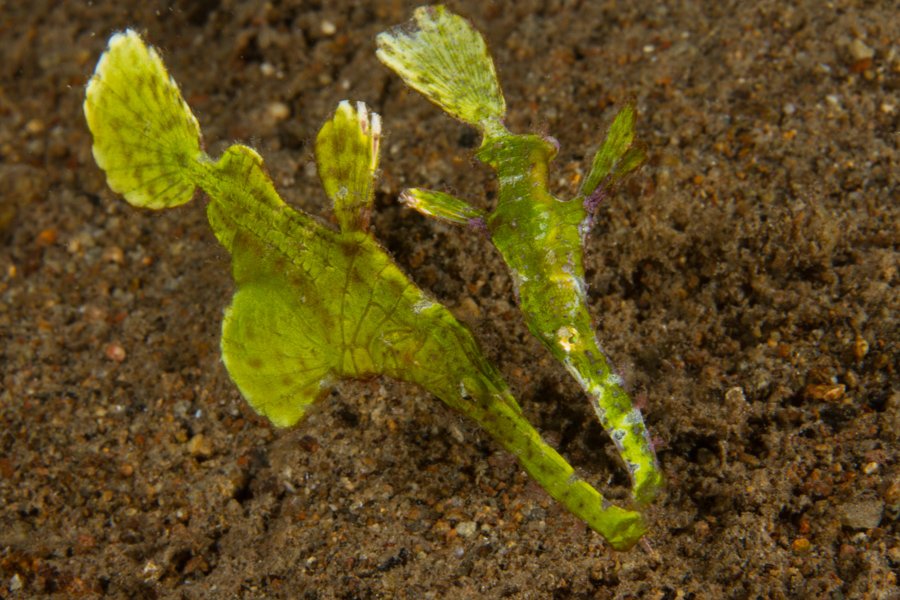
745	282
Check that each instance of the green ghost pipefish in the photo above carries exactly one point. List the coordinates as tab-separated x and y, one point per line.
540	237
313	305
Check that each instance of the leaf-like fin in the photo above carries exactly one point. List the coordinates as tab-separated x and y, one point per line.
347	150
272	348
146	138
616	157
631	160
443	57
441	206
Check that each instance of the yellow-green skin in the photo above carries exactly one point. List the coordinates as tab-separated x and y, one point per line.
540	237
541	240
313	305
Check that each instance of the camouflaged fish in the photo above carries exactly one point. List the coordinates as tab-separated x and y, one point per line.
314	305
540	237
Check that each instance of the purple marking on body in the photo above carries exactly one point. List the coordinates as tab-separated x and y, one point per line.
478	224
553	141
592	202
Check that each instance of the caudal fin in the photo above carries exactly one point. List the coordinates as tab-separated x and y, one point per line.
442	56
145	137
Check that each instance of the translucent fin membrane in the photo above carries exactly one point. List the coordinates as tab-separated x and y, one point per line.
442	56
145	137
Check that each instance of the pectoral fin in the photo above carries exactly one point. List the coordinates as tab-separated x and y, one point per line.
441	206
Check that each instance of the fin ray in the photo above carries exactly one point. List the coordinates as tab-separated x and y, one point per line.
146	138
446	59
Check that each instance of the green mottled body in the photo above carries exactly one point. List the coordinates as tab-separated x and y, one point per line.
385	325
540	237
355	313
313	305
398	331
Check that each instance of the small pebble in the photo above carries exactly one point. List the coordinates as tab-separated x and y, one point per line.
865	514
860	51
701	529
34	126
94	314
151	571
468	310
114	254
328	28
829	392
278	111
466	528
200	446
801	546
892	493
115	352
47	237
846	552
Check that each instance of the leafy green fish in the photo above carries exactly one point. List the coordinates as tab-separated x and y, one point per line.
313	305
540	237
